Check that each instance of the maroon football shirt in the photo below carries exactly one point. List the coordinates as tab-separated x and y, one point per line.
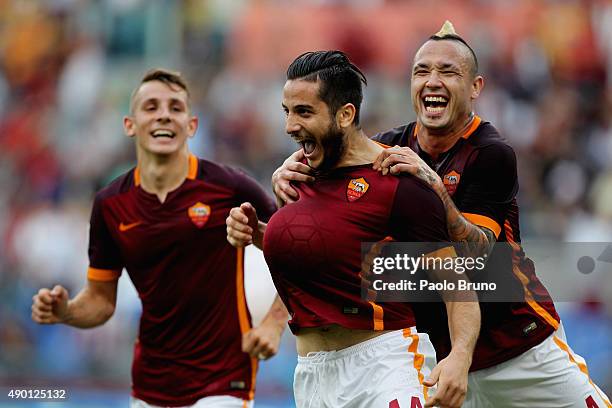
188	277
313	246
480	175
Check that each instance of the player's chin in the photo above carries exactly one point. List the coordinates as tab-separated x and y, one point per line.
434	121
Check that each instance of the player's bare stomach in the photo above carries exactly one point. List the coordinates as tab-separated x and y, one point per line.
331	338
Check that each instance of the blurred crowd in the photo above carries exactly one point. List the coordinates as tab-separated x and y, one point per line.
67	68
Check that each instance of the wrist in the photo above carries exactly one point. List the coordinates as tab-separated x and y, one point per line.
66	316
462	354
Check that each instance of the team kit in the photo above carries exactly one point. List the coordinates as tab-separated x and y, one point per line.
373	327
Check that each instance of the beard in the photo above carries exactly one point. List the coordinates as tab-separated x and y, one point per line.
334	146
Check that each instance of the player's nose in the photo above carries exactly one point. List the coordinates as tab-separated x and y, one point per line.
291	126
163	114
433	80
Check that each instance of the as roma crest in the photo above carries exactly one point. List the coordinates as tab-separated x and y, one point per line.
451	180
356	189
199	214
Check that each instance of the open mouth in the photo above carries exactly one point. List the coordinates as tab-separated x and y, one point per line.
163	133
435	105
308	147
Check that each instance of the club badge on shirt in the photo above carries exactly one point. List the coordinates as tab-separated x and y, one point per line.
356	189
199	214
451	180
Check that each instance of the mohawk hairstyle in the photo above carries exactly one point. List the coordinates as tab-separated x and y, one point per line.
171	78
447	32
340	79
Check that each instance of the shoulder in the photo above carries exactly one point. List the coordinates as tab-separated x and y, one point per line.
491	146
116	187
394	136
221	174
415	186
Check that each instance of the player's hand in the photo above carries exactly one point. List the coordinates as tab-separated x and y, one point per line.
396	159
50	306
291	170
451	376
242	225
262	342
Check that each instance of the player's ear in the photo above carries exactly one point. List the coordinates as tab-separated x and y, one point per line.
129	126
477	86
345	115
192	126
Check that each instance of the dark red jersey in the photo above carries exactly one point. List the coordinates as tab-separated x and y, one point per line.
480	175
313	246
188	277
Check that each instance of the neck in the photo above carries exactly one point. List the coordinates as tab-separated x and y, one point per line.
161	174
435	143
359	150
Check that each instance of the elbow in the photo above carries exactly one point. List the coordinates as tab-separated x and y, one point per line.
107	312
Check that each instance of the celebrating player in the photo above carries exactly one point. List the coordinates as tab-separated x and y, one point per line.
522	344
352	352
164	222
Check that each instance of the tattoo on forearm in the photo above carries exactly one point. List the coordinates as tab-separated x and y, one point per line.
427	175
476	241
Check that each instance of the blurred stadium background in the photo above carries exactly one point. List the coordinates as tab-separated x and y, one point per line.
67	68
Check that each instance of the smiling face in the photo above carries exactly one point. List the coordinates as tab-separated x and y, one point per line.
161	119
444	86
311	124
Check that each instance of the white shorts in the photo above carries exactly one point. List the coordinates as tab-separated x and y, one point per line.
549	375
218	401
386	371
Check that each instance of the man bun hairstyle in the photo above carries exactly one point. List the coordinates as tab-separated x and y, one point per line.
340	79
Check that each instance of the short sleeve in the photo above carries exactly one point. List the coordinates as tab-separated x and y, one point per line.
491	183
105	262
249	190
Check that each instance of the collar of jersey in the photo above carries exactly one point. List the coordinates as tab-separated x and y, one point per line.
192	172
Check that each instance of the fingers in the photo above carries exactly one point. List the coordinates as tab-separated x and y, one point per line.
298	171
44	296
59	294
396	158
296	156
239	233
291	170
382	156
433	377
257	345
248	210
447	396
42	306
